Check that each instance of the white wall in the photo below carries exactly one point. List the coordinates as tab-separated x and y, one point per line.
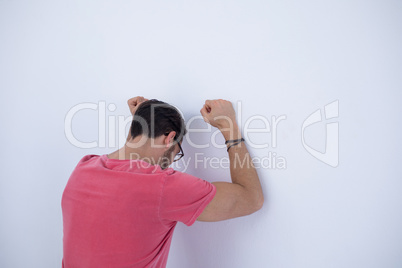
276	57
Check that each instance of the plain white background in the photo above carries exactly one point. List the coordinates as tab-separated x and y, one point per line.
275	57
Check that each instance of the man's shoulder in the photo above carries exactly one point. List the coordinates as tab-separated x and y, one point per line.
88	157
183	178
179	174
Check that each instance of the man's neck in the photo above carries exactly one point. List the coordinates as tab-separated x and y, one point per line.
131	152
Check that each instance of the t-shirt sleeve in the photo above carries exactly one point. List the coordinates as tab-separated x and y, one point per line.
184	197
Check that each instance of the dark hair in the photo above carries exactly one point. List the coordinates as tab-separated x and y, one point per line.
155	118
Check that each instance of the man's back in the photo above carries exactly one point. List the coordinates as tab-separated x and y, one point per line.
122	213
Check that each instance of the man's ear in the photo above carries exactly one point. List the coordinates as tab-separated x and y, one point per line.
170	138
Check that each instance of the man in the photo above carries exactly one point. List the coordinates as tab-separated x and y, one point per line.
120	209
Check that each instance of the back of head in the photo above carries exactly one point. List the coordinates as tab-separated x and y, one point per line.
155	118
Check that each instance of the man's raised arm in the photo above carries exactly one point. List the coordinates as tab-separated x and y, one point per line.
244	195
133	105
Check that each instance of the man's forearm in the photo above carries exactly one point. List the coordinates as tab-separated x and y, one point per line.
242	170
129	135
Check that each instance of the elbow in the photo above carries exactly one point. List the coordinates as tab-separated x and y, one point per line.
259	200
257	205
260	203
255	202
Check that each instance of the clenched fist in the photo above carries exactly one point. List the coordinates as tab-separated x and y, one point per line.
219	113
133	103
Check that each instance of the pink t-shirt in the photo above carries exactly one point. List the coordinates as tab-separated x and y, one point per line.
122	213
